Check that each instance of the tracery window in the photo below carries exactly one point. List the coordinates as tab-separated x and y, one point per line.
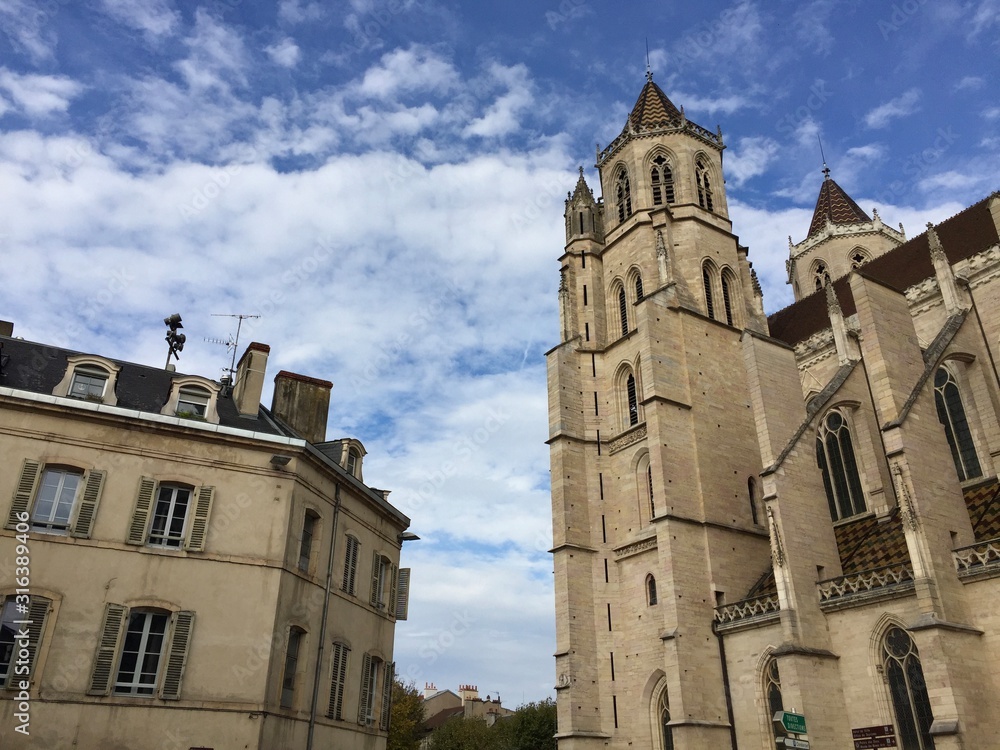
952	414
837	462
706	280
668	735
633	402
910	702
821	275
772	691
704	184
661	179
623	195
858	258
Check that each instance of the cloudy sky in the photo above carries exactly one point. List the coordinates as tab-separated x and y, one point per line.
382	182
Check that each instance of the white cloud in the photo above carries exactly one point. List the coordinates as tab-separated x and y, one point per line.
751	158
285	53
903	105
986	15
951	180
726	104
970	83
153	17
217	56
811	24
39	95
991	113
502	117
407	71
29	27
293	11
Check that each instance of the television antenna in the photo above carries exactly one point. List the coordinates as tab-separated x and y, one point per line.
231	342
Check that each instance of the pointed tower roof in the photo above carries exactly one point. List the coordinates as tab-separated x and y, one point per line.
582	192
653	109
836	205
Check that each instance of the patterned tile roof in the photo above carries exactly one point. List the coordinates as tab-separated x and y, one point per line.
983	503
653	108
836	205
866	544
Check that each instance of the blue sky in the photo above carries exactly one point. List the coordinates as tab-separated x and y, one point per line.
383	181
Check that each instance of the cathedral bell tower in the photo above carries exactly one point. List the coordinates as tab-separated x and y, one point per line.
652	438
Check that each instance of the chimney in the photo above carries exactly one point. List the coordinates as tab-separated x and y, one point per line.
302	403
468	693
250	379
6	328
429	689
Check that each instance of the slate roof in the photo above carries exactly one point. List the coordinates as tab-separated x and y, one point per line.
963	235
836	205
653	109
38	368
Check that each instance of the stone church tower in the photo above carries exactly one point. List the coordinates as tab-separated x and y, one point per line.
753	514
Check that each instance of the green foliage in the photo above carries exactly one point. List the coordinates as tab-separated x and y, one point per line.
406	717
531	727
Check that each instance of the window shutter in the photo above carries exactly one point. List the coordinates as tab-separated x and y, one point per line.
376	579
338	681
350	564
199	525
391	604
107	648
366	686
23	491
403	594
140	514
88	505
177	656
386	696
38	610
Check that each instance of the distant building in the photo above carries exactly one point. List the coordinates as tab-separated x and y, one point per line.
756	513
440	706
203	572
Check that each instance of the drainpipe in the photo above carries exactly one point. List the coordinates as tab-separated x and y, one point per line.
729	695
322	627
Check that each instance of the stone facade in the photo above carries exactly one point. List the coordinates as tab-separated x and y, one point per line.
251	574
755	513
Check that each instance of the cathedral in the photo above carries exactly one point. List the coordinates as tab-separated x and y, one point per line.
757	514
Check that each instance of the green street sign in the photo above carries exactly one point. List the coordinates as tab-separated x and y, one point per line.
791	723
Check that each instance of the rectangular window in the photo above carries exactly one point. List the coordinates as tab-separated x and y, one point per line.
192	402
142	652
8	614
18	653
55	499
169	516
305	549
291	664
88	384
350	564
369	689
338	681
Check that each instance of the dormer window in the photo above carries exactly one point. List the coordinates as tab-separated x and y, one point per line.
192	402
353	458
88	383
193	397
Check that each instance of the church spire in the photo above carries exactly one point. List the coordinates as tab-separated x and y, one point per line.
835	206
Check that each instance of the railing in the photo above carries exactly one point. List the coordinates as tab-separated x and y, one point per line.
747	610
869	584
978	559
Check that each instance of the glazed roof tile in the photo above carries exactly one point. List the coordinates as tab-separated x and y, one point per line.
836	205
653	108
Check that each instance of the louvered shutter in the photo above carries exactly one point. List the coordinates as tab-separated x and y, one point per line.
140	514
338	681
38	610
366	686
350	564
84	523
23	491
403	594
199	524
391	604
376	579
386	696
180	638
107	649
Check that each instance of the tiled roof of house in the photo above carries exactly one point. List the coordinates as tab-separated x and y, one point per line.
653	109
962	236
836	205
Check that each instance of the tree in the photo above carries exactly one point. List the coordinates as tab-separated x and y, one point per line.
530	727
533	727
406	717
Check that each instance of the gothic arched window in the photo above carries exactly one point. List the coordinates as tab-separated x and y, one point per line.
661	178
623	310
704	184
728	283
908	690
638	288
668	734
707	274
650	590
633	401
835	456
752	496
623	195
858	257
772	690
951	412
821	275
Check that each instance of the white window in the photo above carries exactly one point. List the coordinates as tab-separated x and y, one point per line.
7	631
171	515
192	402
88	383
369	689
384	581
141	652
60	500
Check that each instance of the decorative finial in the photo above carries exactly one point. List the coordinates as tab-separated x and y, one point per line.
826	172
581	170
832	303
934	242
826	169
649	71
875	212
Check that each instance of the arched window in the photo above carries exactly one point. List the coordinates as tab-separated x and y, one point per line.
623	195
727	295
661	178
905	678
649	486
821	275
633	402
623	309
668	734
951	412
353	457
650	590
772	691
752	495
707	272
638	288
835	456
858	257
704	184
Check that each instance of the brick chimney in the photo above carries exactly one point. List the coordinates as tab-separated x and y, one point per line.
250	379
302	403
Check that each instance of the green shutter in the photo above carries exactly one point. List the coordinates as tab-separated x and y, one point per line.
107	649
84	523
350	564
386	696
376	565
23	491
38	610
140	514
338	681
391	604
199	525
403	594
366	686
180	638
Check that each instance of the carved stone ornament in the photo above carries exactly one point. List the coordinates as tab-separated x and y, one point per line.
905	502
632	549
623	441
777	548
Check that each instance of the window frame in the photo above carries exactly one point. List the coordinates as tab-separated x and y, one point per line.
854	482
86	499
169	536
622	193
89	364
92	373
193	386
135	686
704	180
964	446
651	596
310	523
290	668
196	520
661	180
921	712
50	524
